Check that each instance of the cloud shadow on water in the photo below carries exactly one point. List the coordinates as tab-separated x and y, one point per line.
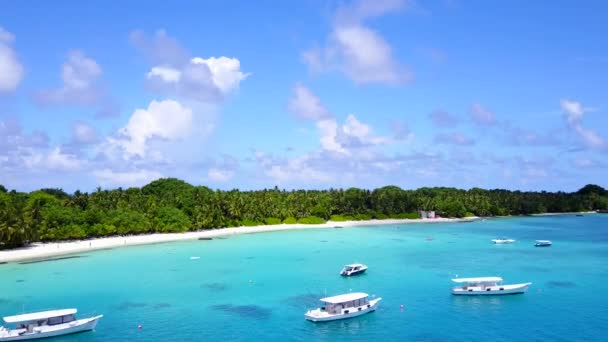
216	287
244	311
130	305
561	284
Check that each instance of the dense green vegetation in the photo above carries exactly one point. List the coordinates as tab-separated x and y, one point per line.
171	205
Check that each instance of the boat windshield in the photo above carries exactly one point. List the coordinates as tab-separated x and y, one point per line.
337	308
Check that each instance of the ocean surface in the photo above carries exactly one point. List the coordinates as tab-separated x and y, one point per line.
257	287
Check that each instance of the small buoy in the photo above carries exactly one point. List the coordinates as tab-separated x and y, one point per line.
401	306
139	327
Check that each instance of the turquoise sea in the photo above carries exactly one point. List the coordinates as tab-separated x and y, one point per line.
257	287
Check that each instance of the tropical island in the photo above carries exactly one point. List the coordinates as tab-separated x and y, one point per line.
171	205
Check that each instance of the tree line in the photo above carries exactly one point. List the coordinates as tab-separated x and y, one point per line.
172	205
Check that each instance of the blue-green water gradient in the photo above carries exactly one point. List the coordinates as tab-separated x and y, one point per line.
258	286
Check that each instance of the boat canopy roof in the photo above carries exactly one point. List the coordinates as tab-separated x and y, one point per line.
478	280
34	316
343	298
546	241
354	265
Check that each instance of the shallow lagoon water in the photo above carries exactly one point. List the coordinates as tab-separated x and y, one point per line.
257	287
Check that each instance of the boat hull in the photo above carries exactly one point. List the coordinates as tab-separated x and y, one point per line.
74	327
353	273
501	242
322	316
494	290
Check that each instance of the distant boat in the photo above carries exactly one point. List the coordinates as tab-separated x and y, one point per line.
353	269
486	286
543	243
46	324
343	306
194	257
503	240
579	214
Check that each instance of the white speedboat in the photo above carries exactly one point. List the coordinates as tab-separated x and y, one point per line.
503	240
543	243
45	324
353	269
486	286
343	306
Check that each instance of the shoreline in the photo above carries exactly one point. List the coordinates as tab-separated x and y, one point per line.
42	250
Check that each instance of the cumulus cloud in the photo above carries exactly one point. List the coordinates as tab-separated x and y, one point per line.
176	73
482	116
12	138
356	50
80	75
108	177
168	120
219	175
333	136
574	112
306	105
206	80
56	159
11	69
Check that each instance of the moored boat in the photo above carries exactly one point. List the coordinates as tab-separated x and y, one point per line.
43	324
486	286
503	240
343	306
353	269
543	243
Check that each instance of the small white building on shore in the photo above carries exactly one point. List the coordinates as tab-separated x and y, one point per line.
427	214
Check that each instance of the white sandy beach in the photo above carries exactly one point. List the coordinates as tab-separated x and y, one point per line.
54	249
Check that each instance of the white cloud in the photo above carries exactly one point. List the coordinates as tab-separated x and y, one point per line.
108	177
219	175
166	73
481	115
11	69
574	112
296	170
358	51
353	134
80	75
55	160
328	129
226	72
175	73
306	105
166	119
206	80
366	57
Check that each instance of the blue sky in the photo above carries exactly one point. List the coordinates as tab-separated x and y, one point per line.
309	94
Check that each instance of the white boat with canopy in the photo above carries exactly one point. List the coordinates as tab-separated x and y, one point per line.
353	269
43	324
486	286
343	306
543	243
503	240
